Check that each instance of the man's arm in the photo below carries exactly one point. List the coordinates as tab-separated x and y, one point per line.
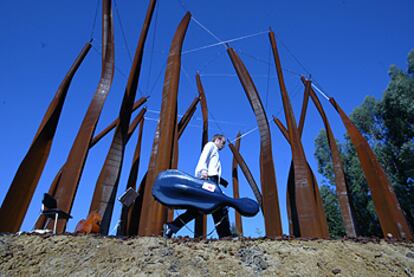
202	165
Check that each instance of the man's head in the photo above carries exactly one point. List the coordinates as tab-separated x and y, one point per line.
219	140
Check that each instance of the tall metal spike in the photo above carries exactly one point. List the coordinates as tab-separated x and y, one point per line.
154	215
200	223
25	181
273	224
72	171
107	184
236	194
127	212
390	215
340	181
311	218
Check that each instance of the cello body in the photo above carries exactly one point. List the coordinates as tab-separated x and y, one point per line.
179	190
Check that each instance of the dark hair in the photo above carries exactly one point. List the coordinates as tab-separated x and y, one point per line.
218	136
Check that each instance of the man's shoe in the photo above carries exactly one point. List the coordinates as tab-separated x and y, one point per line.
167	231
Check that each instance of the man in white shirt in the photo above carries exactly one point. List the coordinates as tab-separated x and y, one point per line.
208	168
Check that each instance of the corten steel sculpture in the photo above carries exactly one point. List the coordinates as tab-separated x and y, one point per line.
341	185
236	194
273	225
126	212
310	217
200	223
72	171
114	123
25	181
153	214
247	174
41	221
187	116
133	222
292	212
391	218
107	184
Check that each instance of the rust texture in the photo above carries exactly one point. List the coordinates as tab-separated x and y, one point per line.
187	116
133	221
311	218
236	194
114	123
72	170
390	215
20	193
273	224
153	214
107	184
340	181
200	222
41	221
248	174
127	212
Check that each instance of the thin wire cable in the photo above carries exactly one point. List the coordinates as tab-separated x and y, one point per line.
218	54
224	42
94	20
267	62
320	91
122	31
233	75
205	29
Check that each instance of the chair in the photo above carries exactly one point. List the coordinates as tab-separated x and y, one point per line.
50	210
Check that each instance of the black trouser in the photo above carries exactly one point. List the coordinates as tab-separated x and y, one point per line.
220	217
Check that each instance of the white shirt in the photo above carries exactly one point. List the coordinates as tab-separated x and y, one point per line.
209	161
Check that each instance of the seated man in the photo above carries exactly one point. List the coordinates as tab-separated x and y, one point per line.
208	167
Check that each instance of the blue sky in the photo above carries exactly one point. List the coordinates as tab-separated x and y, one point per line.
346	47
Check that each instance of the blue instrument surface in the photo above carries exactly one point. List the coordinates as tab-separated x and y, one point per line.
179	190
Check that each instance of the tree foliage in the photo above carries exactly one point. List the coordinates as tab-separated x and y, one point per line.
388	126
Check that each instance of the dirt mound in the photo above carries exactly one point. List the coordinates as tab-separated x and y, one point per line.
35	255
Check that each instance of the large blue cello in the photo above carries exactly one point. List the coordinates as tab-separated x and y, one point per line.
179	190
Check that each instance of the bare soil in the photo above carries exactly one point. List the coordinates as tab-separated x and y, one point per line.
67	255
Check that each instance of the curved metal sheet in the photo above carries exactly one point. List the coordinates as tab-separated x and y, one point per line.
273	224
107	184
153	215
236	194
200	222
340	181
72	170
127	212
310	216
390	215
20	193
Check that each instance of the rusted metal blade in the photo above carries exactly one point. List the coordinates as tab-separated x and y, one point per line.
290	194
187	116
40	223
341	185
127	212
72	171
310	217
247	174
107	184
236	194
273	224
153	214
114	123
200	222
390	215
20	193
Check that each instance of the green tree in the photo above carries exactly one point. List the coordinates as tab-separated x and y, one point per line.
388	125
